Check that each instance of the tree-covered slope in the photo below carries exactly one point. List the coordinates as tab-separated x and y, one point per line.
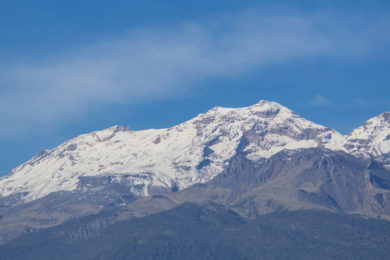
210	232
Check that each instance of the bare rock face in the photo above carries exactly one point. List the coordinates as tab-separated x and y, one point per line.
313	178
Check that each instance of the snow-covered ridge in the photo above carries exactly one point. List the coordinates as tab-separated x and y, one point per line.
372	138
192	152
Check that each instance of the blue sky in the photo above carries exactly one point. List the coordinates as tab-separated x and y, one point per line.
71	67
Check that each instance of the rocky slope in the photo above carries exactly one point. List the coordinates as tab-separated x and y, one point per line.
300	179
311	178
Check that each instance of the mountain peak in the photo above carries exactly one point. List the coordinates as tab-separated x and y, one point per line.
115	129
192	152
374	126
378	120
263	108
110	132
270	109
385	116
264	102
373	137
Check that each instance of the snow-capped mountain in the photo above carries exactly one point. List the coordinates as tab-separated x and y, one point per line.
372	138
192	152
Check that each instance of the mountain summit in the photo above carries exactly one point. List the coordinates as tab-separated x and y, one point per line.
192	152
173	158
372	138
277	149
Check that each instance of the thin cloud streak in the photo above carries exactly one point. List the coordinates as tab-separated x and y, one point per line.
155	63
319	101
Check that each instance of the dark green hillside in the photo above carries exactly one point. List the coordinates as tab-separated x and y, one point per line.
211	232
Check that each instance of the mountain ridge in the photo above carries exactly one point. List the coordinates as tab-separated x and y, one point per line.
192	152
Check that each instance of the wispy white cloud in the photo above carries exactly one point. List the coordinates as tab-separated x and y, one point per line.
158	62
319	101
